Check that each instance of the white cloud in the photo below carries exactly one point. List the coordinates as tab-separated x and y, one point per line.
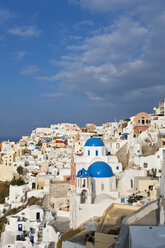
20	55
53	95
148	92
30	70
25	32
106	5
84	23
120	62
94	97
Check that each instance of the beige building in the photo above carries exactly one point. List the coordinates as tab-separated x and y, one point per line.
147	184
6	168
91	127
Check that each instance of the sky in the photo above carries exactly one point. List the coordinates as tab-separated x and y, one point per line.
79	61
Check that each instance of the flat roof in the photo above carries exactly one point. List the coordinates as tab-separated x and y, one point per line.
147	236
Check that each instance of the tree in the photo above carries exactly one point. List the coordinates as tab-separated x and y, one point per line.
20	170
154	171
39	143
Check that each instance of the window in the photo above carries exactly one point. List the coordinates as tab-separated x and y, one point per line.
145	165
83	183
131	183
96	152
19	227
158	156
143	122
117	167
102	186
138	121
92	186
88	152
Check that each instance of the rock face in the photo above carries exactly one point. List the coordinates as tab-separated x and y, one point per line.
58	194
123	155
148	150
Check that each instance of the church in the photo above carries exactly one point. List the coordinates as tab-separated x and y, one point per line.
96	182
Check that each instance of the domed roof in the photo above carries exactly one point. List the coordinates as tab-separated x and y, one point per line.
94	142
100	169
82	173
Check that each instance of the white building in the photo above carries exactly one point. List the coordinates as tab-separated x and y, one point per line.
153	161
95	150
23	227
95	183
16	195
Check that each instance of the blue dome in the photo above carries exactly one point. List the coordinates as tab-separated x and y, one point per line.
94	142
100	169
37	148
82	173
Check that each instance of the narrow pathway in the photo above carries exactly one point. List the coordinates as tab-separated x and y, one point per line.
45	206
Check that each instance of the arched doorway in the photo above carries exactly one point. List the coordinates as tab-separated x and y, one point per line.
83	196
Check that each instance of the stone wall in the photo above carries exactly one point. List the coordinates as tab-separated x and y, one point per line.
122	241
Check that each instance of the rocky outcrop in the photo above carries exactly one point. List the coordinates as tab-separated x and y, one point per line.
123	155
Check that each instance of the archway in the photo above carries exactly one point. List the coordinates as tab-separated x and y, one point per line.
83	196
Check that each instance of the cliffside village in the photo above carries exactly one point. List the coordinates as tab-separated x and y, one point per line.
96	186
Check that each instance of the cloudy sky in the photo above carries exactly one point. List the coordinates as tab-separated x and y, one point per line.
79	61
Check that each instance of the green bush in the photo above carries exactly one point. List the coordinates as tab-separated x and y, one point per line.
20	170
17	182
34	201
4	191
39	143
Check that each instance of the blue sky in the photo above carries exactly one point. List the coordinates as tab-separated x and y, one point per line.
79	61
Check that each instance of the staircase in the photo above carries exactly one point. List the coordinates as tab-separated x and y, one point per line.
45	206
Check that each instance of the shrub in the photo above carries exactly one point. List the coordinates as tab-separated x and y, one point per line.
20	170
4	191
17	182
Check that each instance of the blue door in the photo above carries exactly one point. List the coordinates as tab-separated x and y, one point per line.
20	227
32	239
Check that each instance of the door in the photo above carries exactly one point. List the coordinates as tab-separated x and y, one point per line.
20	227
32	239
38	216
